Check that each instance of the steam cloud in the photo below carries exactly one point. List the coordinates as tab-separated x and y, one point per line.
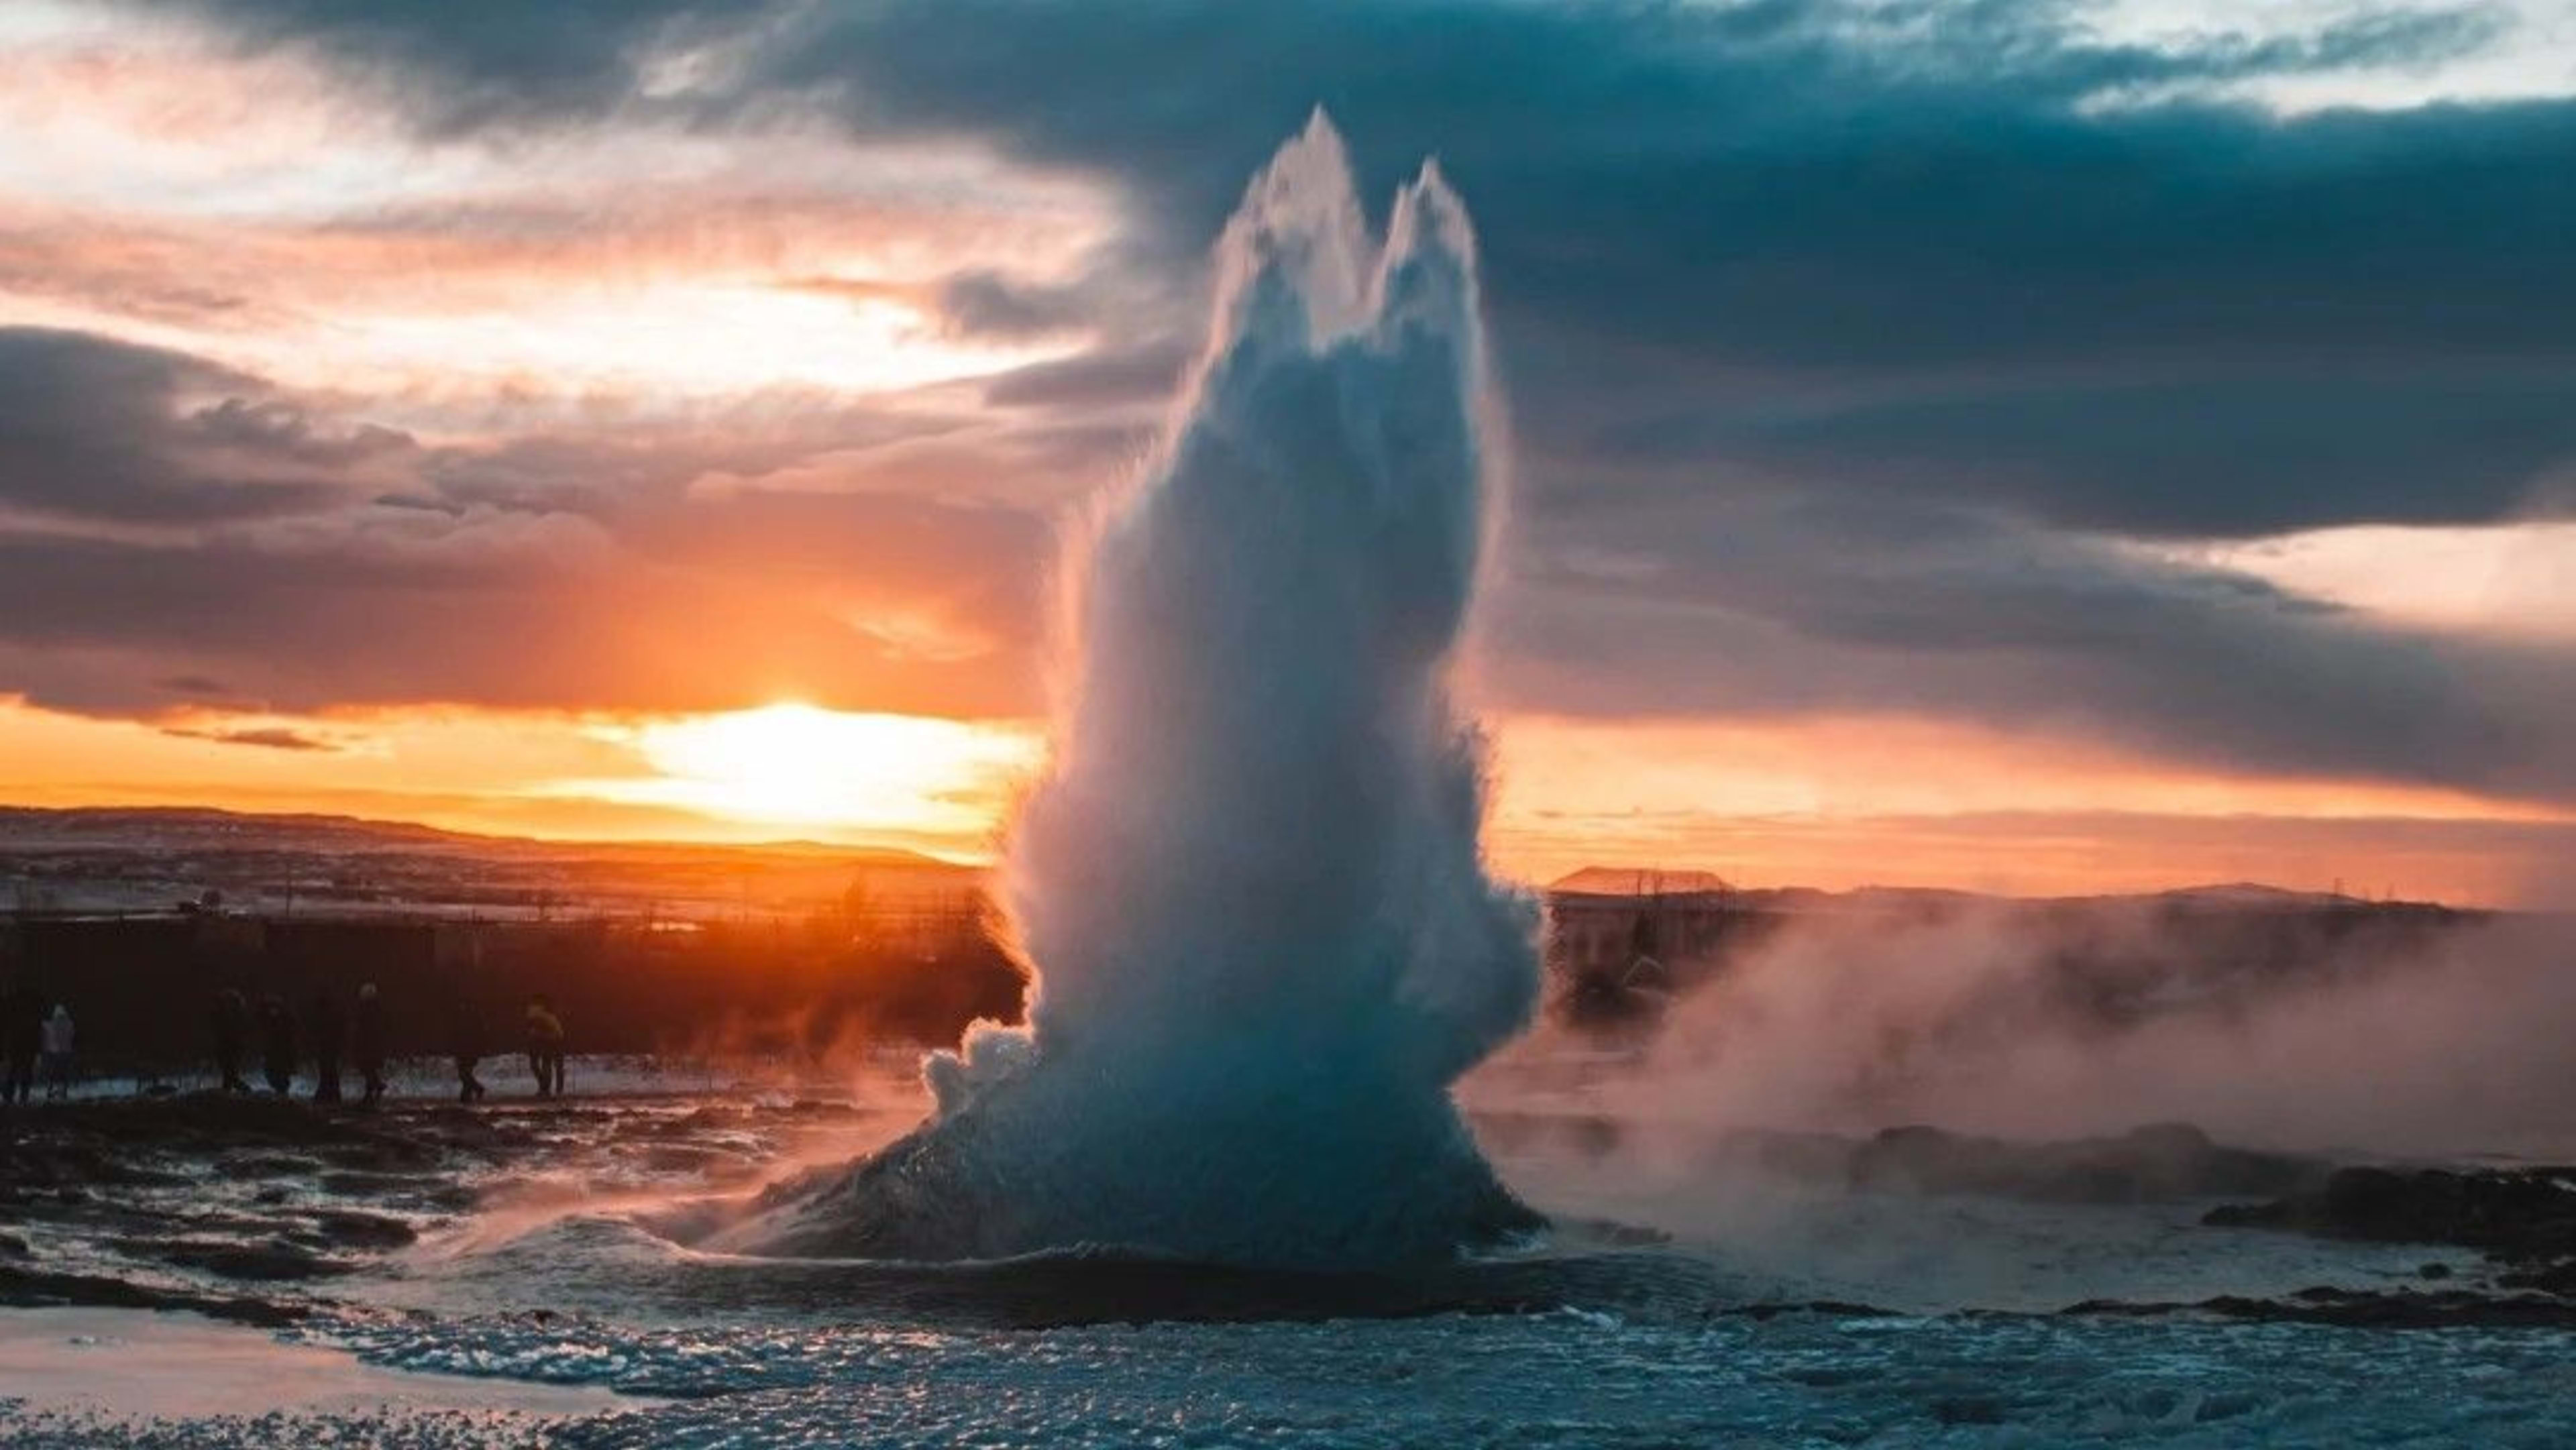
1250	884
2438	1042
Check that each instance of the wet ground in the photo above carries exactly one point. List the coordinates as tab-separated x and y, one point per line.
203	1271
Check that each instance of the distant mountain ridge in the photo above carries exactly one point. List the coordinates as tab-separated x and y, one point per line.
42	828
123	860
31	832
1622	881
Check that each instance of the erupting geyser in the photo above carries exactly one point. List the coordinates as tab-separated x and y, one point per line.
1250	881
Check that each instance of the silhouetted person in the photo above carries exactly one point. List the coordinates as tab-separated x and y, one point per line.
277	1043
330	1033
367	1043
58	1054
232	1038
465	1044
22	1038
545	1046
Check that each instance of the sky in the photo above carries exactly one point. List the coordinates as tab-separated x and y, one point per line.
2013	444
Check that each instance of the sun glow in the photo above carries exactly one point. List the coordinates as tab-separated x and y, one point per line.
796	765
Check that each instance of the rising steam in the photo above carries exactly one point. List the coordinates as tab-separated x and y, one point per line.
1250	882
2441	1038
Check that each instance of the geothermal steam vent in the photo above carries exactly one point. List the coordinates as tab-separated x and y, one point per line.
1250	883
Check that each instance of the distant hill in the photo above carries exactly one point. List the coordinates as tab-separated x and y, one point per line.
31	828
154	858
1625	881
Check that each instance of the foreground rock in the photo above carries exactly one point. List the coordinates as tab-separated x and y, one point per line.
2514	1214
2522	1219
2364	1309
256	1208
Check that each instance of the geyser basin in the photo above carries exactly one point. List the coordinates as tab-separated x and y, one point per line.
1250	883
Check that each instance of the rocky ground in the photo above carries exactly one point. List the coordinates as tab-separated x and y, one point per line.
2522	1219
251	1208
296	1230
254	1209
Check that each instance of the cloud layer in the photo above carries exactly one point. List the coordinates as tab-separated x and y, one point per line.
1856	350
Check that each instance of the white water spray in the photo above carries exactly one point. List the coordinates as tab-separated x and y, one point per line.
1250	882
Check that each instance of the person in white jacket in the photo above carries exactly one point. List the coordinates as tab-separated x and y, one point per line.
58	1054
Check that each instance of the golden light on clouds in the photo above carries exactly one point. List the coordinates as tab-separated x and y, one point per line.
331	246
2505	580
677	338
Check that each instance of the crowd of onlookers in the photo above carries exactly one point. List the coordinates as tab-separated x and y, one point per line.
38	1036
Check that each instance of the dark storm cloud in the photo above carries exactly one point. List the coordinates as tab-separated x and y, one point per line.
1145	374
466	64
1746	200
2207	457
988	304
1741	204
1894	606
92	429
263	737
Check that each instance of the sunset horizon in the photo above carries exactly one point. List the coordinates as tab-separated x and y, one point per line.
2001	850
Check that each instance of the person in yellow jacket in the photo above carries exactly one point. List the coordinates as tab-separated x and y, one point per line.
545	1047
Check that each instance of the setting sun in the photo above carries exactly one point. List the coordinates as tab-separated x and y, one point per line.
800	765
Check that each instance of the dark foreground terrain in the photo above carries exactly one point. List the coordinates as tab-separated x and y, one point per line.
340	1270
257	1209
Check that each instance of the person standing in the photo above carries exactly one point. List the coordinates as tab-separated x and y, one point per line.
545	1046
277	1043
58	1054
232	1038
22	1037
369	1042
465	1044
330	1034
